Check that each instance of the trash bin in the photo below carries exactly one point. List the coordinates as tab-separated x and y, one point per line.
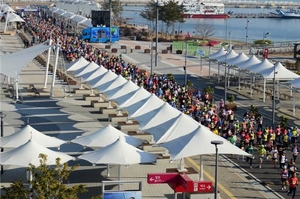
277	104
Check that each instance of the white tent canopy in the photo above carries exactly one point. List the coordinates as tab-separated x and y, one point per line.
157	117
29	152
138	109
140	95
109	76
220	52
229	55
258	68
113	85
92	79
295	83
198	142
105	136
124	92
21	137
68	14
14	18
11	67
236	60
251	61
77	64
86	69
281	72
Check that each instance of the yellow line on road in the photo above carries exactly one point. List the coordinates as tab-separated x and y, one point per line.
221	187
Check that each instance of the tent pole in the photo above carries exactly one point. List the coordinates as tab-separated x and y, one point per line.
17	89
218	72
264	94
228	76
108	172
291	91
239	80
201	178
294	101
278	94
81	84
6	21
54	71
251	85
209	69
119	177
47	64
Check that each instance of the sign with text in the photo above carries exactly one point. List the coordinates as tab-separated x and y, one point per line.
159	178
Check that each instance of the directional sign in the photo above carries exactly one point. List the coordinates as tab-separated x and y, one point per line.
203	186
159	178
200	52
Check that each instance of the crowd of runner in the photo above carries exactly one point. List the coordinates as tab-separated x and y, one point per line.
250	134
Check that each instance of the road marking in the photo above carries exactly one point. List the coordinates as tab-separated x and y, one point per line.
221	187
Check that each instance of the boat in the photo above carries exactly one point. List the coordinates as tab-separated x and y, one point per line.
288	13
197	9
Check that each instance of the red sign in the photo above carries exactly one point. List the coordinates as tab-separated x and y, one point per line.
203	186
159	178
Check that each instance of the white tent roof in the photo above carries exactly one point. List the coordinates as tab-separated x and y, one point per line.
183	125
53	9
68	14
229	55
157	117
124	92
152	103
79	19
263	65
11	67
105	136
295	83
119	152
21	137
140	95
86	69
12	17
281	72
77	64
87	23
92	79
60	12
29	152
251	61
198	142
113	86
109	76
238	59
220	52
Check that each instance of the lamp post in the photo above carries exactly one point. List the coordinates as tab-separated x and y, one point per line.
110	10
2	115
247	33
151	59
225	77
185	62
265	35
273	100
134	19
216	143
229	40
156	33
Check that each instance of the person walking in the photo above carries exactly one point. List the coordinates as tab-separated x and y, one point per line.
284	178
295	151
274	154
262	154
250	150
293	183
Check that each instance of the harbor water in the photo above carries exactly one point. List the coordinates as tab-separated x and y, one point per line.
279	29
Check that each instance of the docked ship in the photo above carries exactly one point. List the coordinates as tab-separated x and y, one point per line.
197	9
289	13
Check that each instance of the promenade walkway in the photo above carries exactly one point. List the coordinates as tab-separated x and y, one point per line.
69	117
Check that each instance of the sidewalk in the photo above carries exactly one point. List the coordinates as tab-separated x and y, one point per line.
74	116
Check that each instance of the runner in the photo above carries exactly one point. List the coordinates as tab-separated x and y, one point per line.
284	178
250	150
293	183
262	154
274	154
295	151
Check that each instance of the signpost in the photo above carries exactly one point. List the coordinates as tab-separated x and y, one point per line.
159	178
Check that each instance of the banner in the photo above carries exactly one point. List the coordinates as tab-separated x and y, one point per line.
123	195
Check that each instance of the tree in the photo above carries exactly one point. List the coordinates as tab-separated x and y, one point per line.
116	8
204	30
47	183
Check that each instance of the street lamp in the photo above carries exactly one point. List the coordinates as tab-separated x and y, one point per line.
265	35
273	99
216	143
2	115
134	19
156	39
110	10
247	33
